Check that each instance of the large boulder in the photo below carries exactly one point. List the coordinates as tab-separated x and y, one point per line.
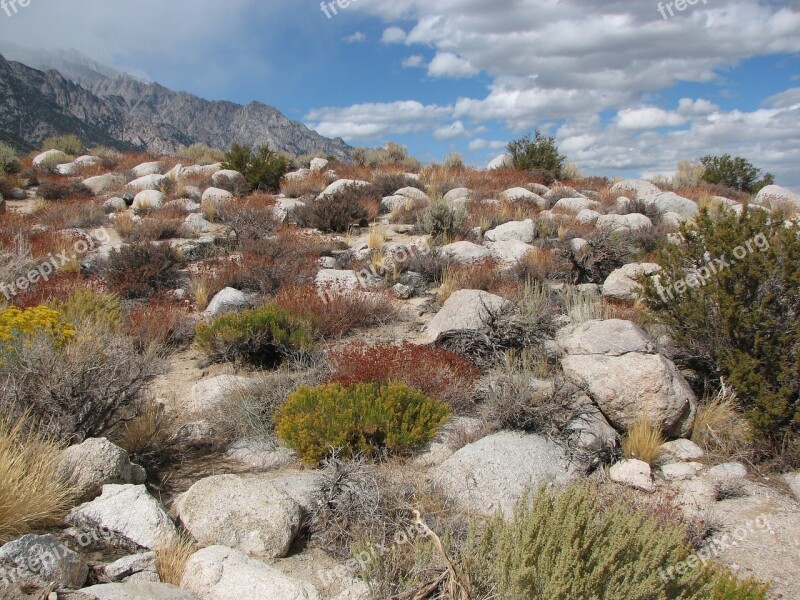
147	200
775	196
493	473
229	177
666	202
127	515
520	231
148	182
246	513
457	196
104	183
522	194
466	309
214	194
138	591
636	189
464	253
37	561
509	253
621	284
96	462
319	164
624	223
50	158
227	300
503	161
413	193
616	364
576	205
148	168
198	171
340	184
221	573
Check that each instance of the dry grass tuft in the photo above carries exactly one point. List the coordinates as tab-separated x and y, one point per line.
32	494
720	429
643	441
171	559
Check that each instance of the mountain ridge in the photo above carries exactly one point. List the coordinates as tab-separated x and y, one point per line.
108	107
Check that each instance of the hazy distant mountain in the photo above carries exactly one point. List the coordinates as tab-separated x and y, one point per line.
70	93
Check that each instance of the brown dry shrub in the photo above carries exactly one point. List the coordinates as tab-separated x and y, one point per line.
314	184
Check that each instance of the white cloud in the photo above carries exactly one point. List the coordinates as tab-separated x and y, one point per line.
355	38
413	61
373	120
393	35
648	118
451	132
447	64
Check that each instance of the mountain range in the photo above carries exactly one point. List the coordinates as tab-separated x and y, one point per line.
44	94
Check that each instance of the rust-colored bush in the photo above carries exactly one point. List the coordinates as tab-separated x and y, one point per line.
438	373
336	314
159	322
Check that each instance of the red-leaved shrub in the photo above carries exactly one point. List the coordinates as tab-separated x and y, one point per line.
436	372
337	313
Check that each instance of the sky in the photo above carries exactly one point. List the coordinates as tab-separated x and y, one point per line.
627	87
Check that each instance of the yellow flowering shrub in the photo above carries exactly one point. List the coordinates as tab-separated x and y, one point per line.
363	418
16	324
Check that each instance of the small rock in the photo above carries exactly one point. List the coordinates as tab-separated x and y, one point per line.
213	194
141	567
225	301
681	471
633	473
147	200
139	591
730	470
682	449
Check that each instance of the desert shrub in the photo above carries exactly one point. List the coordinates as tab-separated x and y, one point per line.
261	336
109	157
261	167
334	314
310	185
41	321
643	441
642	207
85	306
740	321
200	154
363	418
719	427
541	152
607	252
454	160
442	222
570	172
151	229
688	174
388	183
568	545
736	172
355	204
437	373
69	144
160	323
33	494
544	264
78	390
248	411
250	218
483	275
141	270
582	306
50	190
391	155
513	396
9	163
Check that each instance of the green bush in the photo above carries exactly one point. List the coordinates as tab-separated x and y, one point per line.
391	155
200	154
442	222
539	153
261	167
86	306
262	336
735	172
363	418
743	322
573	545
68	144
9	163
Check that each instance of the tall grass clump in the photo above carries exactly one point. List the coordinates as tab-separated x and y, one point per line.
32	494
643	440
